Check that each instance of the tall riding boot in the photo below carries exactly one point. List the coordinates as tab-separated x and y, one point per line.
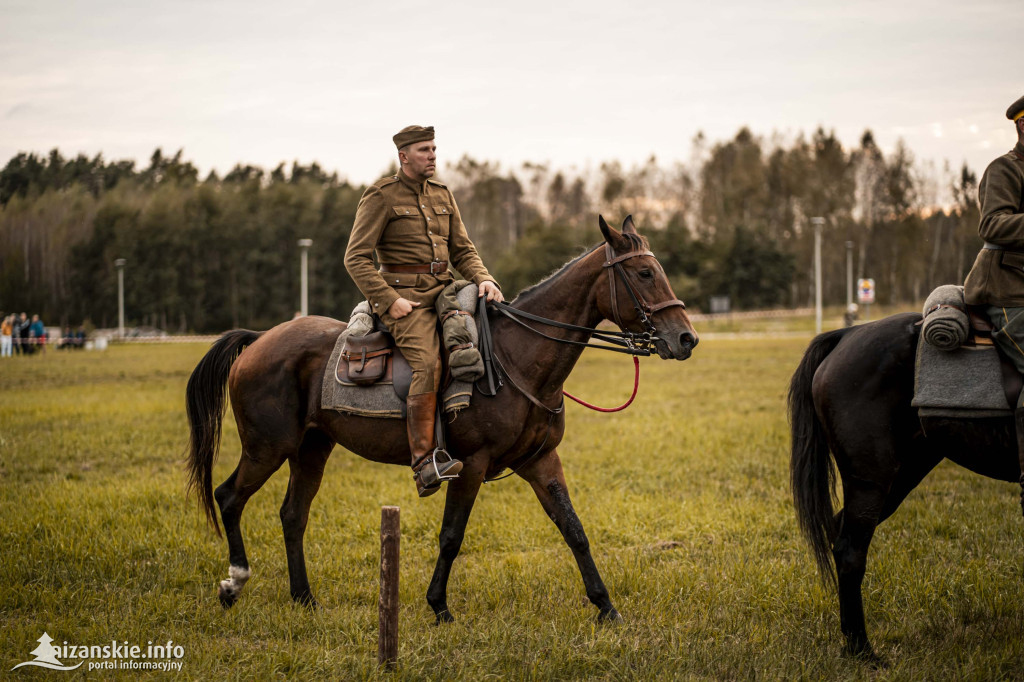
1018	420
430	467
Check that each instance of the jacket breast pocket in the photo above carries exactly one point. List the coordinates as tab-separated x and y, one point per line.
407	221
444	217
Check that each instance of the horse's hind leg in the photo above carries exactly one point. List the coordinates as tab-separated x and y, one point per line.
912	471
231	495
548	482
307	470
866	505
863	504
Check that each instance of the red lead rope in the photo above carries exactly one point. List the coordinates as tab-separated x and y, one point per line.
636	385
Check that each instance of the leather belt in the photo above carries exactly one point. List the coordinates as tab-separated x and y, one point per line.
437	267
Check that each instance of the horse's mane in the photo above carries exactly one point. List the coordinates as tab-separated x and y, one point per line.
637	243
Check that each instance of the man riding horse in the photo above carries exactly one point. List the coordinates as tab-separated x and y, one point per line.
996	280
414	225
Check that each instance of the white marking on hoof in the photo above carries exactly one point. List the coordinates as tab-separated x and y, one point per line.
237	577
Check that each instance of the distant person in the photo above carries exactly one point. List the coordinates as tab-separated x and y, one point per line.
6	336
996	281
67	341
414	226
850	316
21	340
37	332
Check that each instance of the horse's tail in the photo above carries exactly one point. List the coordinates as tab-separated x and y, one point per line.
205	404
812	471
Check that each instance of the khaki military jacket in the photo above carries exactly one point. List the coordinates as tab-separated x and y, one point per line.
997	277
408	223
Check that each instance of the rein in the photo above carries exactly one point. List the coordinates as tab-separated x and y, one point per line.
547	430
636	385
632	343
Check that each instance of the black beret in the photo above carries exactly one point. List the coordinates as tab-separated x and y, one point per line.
411	134
1016	110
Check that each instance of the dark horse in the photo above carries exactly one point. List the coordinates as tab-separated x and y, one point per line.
275	386
851	394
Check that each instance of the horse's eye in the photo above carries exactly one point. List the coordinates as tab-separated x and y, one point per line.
646	274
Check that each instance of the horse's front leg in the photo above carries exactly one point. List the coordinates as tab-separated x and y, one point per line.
458	504
548	481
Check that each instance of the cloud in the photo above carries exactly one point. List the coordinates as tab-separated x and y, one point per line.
19	109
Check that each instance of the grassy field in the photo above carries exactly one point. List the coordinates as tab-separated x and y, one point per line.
684	497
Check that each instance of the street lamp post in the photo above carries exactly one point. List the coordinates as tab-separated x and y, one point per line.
304	245
119	264
849	274
818	224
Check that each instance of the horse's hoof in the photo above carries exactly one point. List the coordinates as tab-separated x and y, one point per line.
443	617
229	590
307	600
227	597
610	616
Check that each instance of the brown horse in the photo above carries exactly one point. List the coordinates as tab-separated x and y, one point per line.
275	387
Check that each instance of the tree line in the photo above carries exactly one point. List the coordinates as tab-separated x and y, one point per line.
208	254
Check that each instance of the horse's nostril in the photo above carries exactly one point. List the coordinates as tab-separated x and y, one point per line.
688	339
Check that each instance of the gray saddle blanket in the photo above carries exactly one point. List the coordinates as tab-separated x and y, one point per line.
952	379
966	382
380	399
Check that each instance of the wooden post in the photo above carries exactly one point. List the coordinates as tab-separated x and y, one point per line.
390	535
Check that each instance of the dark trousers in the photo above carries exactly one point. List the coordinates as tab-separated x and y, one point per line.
1009	335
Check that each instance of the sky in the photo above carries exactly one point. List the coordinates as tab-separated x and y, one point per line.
572	84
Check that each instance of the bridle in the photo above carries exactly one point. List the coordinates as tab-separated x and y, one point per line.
643	309
632	343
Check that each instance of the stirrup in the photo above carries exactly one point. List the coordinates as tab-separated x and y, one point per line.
447	458
422	471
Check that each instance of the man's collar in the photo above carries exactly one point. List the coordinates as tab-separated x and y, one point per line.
418	187
1019	148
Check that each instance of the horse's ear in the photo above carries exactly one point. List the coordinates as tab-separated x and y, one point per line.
609	233
627	225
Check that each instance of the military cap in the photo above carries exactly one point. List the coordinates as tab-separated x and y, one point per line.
1016	110
411	134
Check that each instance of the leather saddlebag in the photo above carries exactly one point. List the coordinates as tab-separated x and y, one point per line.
367	357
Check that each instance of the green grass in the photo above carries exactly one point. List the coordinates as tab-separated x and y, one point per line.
684	497
831	318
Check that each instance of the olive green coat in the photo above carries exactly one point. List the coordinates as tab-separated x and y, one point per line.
997	277
410	223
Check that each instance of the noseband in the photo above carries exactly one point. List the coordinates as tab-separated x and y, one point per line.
643	309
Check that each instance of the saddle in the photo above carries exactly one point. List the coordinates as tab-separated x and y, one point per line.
374	358
367	375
